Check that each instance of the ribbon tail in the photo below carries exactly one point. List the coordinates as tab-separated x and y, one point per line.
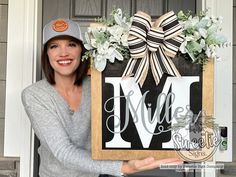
129	68
168	64
156	68
142	70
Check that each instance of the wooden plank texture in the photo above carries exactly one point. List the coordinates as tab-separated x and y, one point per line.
234	25
3	22
185	5
234	103
90	8
53	10
1	140
3	60
2	98
154	8
125	5
3	2
7	164
234	63
234	142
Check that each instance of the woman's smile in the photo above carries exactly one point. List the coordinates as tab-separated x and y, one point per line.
64	56
64	62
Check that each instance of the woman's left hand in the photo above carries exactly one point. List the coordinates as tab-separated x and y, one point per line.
134	166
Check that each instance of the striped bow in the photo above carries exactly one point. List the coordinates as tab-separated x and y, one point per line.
153	43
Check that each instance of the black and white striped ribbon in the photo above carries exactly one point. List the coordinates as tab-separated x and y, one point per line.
153	43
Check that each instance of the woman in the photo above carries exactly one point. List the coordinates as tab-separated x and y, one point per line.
59	110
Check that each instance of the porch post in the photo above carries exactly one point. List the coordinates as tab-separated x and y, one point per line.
24	18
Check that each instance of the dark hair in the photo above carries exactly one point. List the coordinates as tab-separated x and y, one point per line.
81	71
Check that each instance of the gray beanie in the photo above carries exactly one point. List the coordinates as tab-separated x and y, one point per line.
61	27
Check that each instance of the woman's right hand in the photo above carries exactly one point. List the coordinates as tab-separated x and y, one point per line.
134	166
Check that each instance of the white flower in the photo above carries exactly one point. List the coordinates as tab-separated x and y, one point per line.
201	36
191	55
120	20
202	43
105	42
203	32
208	52
124	40
191	22
220	19
116	33
87	45
204	22
214	19
110	56
182	47
103	48
100	62
94	32
211	51
197	35
118	16
117	55
189	38
94	43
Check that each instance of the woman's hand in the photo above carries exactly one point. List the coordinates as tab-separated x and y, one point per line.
134	166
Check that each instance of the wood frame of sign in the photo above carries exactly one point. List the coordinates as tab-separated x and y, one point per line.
128	144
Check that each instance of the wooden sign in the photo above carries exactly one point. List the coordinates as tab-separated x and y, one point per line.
133	122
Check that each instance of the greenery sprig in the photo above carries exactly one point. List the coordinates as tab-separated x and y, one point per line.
109	41
201	36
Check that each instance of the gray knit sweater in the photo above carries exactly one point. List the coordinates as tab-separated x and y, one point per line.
65	149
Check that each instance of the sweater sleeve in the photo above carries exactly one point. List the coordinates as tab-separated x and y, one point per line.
53	136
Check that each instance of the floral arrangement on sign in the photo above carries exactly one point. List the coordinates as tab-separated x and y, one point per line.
110	41
202	37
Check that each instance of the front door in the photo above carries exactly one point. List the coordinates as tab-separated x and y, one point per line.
85	12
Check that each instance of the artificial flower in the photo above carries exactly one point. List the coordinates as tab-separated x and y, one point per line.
108	42
201	36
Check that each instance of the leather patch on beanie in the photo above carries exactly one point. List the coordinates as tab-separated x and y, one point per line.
60	25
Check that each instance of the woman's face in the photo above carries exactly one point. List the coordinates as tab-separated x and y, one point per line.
64	55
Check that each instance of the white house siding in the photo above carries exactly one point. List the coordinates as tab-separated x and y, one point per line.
8	166
230	168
